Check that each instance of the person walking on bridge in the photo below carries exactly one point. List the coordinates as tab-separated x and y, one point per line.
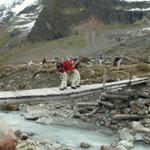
63	72
68	67
75	78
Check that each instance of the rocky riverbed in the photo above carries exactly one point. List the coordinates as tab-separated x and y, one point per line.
126	112
72	135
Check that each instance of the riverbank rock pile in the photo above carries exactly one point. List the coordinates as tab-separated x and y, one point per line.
45	113
126	111
120	110
27	142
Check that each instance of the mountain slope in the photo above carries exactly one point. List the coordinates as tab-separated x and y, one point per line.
58	28
58	17
20	14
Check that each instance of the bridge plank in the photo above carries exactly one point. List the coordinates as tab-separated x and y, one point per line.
56	92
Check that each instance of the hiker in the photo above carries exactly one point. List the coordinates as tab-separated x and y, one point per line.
62	71
101	58
30	63
75	78
117	61
44	62
68	65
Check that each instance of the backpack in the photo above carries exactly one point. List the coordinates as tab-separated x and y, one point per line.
60	66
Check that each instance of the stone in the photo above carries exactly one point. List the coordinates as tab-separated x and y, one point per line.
113	112
135	109
32	116
29	144
44	142
139	127
68	148
21	145
140	103
142	112
23	107
57	146
54	146
17	133
146	121
138	137
126	144
125	135
107	124
24	136
85	145
7	138
102	122
120	147
148	110
10	107
127	110
115	127
146	139
36	111
45	120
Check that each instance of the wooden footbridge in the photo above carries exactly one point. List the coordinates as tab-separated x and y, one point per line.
35	95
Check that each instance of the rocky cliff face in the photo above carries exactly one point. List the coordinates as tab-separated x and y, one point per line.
59	17
53	19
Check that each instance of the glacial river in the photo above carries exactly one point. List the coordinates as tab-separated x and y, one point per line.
67	135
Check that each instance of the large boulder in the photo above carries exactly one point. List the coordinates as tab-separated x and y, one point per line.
146	139
125	135
126	144
7	138
120	147
137	126
10	107
85	145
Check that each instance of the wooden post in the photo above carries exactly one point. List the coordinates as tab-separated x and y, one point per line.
104	79
130	77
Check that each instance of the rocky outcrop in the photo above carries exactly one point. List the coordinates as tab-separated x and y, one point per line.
59	17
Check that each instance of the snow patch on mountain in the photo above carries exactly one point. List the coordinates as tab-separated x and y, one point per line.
136	0
140	9
7	6
135	5
20	7
7	2
26	27
20	14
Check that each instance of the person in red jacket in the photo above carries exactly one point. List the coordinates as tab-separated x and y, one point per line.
69	68
68	65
